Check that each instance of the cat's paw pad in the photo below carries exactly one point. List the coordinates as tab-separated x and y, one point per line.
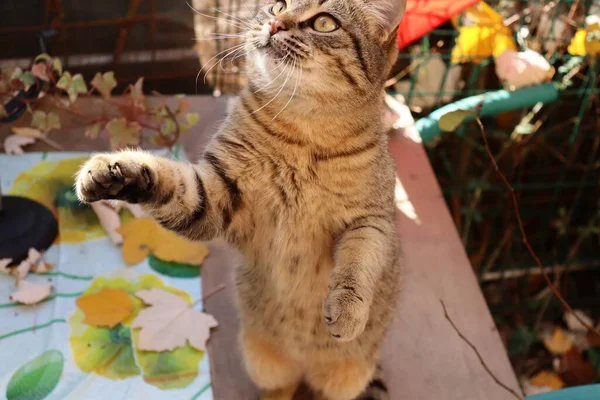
346	314
113	176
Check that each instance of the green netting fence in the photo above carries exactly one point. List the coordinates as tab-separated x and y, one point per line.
549	152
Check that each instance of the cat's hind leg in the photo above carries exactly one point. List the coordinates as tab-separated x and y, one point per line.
276	375
341	380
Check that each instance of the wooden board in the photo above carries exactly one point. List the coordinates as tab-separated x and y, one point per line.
423	357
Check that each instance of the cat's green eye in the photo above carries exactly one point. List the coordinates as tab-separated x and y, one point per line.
325	23
278	8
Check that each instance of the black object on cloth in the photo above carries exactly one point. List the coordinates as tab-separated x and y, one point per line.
25	224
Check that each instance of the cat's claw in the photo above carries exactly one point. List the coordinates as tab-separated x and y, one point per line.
113	176
345	313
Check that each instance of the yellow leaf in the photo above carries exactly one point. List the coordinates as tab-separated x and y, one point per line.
560	342
108	307
144	236
485	36
549	379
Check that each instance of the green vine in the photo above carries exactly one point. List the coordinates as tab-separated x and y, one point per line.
129	119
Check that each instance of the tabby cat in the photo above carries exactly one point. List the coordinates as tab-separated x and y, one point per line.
299	179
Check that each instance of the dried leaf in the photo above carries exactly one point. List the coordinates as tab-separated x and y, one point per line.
30	293
42	267
451	121
574	324
137	94
27	132
4	263
593	338
560	342
109	219
549	379
122	133
104	83
107	308
531	390
144	236
576	371
22	270
13	144
33	256
170	322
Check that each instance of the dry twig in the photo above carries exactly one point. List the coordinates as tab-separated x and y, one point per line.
472	346
524	235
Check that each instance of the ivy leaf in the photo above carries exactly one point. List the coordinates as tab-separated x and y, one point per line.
45	122
104	83
192	119
122	133
79	84
168	127
73	85
16	74
451	121
93	131
43	56
28	79
57	66
53	121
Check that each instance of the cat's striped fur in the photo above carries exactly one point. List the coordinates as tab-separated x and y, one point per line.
304	189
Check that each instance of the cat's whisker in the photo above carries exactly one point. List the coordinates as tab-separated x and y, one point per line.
228	21
236	52
280	89
298	79
275	69
209	61
232	16
223	58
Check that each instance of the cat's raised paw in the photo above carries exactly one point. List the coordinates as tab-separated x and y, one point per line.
346	313
114	177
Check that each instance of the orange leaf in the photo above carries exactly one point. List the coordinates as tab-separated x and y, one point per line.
549	379
108	307
560	342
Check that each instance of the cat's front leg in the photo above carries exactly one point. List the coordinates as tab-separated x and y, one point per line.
176	194
363	250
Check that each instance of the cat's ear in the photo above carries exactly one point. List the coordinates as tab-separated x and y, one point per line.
387	15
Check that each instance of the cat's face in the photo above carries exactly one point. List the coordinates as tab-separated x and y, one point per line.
336	47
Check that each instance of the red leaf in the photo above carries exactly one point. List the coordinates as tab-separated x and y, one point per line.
574	370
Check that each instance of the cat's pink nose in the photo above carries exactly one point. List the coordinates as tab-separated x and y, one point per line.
276	25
